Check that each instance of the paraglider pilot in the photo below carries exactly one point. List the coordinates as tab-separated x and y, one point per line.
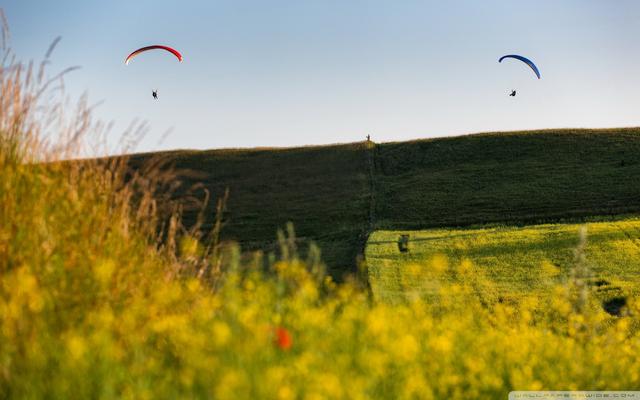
513	93
155	94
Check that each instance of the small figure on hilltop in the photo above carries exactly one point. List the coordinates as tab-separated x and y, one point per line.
513	93
155	94
368	138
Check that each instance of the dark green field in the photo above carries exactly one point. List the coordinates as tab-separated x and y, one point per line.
518	177
336	195
324	191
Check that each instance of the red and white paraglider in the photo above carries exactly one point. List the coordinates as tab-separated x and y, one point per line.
154	47
135	53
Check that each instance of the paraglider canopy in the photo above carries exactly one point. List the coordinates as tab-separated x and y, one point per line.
154	47
524	60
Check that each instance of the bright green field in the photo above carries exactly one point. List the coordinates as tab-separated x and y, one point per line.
518	261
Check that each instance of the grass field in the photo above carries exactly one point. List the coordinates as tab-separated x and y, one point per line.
514	177
324	191
335	196
518	261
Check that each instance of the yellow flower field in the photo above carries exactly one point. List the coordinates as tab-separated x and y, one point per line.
516	261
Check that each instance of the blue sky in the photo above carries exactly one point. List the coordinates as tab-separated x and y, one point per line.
284	73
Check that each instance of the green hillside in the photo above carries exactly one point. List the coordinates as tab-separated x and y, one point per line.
518	177
335	195
518	261
324	191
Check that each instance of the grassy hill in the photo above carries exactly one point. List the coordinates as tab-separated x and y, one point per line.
324	191
515	177
335	195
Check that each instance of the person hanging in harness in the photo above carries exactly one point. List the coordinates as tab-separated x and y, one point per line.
155	94
513	93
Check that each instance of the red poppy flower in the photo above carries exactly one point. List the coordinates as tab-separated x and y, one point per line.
283	338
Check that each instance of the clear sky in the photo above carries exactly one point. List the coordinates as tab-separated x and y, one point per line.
284	73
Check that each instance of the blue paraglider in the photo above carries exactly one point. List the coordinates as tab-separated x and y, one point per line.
524	60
